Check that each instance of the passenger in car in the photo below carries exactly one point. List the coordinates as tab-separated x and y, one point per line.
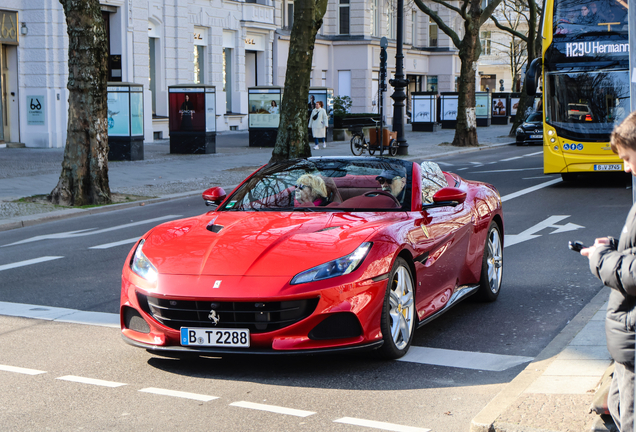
310	191
433	179
393	180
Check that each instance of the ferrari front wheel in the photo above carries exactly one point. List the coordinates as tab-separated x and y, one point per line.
398	312
492	265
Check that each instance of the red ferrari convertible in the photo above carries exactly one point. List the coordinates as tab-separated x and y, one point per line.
315	255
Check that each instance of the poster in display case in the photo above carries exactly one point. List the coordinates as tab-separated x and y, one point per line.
424	111
500	108
449	102
482	108
125	118
192	118
263	115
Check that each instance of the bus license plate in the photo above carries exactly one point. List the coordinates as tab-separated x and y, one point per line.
536	136
216	337
608	167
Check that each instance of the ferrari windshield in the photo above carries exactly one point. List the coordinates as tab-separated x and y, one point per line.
324	184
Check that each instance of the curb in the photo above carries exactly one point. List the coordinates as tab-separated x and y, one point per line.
485	420
21	222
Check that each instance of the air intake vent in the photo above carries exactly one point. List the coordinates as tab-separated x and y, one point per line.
214	228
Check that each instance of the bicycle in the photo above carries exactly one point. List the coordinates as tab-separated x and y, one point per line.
359	142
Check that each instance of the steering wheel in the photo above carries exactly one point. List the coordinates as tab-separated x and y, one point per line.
385	193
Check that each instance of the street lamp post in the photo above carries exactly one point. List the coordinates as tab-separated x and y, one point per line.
399	83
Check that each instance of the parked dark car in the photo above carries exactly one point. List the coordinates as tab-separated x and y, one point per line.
531	131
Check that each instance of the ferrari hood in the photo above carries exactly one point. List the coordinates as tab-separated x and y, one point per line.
259	243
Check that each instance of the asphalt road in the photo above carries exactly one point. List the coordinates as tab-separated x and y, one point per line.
545	285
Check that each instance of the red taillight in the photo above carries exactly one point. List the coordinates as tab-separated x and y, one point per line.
588	117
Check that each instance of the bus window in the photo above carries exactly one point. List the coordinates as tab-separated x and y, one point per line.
586	104
575	17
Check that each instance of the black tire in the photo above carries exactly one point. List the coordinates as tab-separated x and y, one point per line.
398	312
491	265
569	177
356	145
372	150
393	147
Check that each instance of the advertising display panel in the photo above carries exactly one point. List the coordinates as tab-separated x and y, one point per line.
118	111
449	108
264	108
136	113
499	106
210	110
187	109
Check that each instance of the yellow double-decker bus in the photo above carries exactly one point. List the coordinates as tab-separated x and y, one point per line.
584	70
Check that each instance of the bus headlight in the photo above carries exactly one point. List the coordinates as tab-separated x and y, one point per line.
552	140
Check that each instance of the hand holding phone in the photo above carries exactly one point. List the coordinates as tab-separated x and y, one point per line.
576	246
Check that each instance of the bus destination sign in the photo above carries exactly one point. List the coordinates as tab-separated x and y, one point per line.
583	49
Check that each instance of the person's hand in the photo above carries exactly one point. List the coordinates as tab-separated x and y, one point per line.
598	242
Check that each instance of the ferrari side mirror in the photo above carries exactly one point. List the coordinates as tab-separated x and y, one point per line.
214	196
448	196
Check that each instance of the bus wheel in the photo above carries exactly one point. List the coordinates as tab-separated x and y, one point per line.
569	177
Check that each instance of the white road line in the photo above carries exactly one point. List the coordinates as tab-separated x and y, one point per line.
91	381
534	178
87	232
21	370
28	262
380	425
462	169
508	170
180	394
512	158
117	243
463	359
59	314
530	189
273	408
535	153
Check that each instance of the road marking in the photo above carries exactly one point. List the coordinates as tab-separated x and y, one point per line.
91	381
380	425
530	233
180	394
20	370
59	314
508	170
530	189
463	359
89	231
113	244
512	158
522	156
273	408
462	169
534	178
28	262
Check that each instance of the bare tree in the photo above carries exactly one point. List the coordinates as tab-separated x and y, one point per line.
469	46
292	141
531	13
84	177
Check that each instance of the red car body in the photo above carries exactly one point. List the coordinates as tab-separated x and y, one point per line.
252	258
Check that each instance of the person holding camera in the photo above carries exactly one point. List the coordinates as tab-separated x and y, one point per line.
318	123
614	263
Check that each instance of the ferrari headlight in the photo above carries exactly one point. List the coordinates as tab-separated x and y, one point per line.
337	267
142	266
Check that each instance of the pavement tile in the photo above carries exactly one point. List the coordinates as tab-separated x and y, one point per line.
576	368
582	352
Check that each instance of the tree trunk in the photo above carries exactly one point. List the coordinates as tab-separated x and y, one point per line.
470	49
292	141
84	177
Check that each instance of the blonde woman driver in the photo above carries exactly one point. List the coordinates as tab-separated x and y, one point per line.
310	191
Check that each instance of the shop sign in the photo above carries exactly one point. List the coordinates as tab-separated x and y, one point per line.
8	27
35	110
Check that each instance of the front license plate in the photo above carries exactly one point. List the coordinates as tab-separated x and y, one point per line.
608	167
217	337
536	136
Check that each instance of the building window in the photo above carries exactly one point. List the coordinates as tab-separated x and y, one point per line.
324	79
152	85
199	64
343	17
289	15
485	43
432	33
375	18
390	19
414	28
227	78
431	83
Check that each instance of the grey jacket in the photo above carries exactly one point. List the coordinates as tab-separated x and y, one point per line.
615	266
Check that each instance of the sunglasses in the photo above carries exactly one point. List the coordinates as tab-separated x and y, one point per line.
302	186
383	180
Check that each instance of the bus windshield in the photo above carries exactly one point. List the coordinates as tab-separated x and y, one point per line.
586	105
576	17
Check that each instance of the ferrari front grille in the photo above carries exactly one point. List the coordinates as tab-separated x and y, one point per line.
258	317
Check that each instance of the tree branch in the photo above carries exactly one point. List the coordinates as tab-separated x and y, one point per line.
508	29
487	13
441	24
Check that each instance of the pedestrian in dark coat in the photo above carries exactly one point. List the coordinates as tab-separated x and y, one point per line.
614	263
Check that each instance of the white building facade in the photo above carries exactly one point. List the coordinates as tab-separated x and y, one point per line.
230	44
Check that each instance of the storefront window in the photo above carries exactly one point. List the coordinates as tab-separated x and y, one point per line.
431	83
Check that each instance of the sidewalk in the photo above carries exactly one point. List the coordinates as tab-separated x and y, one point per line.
554	392
25	172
